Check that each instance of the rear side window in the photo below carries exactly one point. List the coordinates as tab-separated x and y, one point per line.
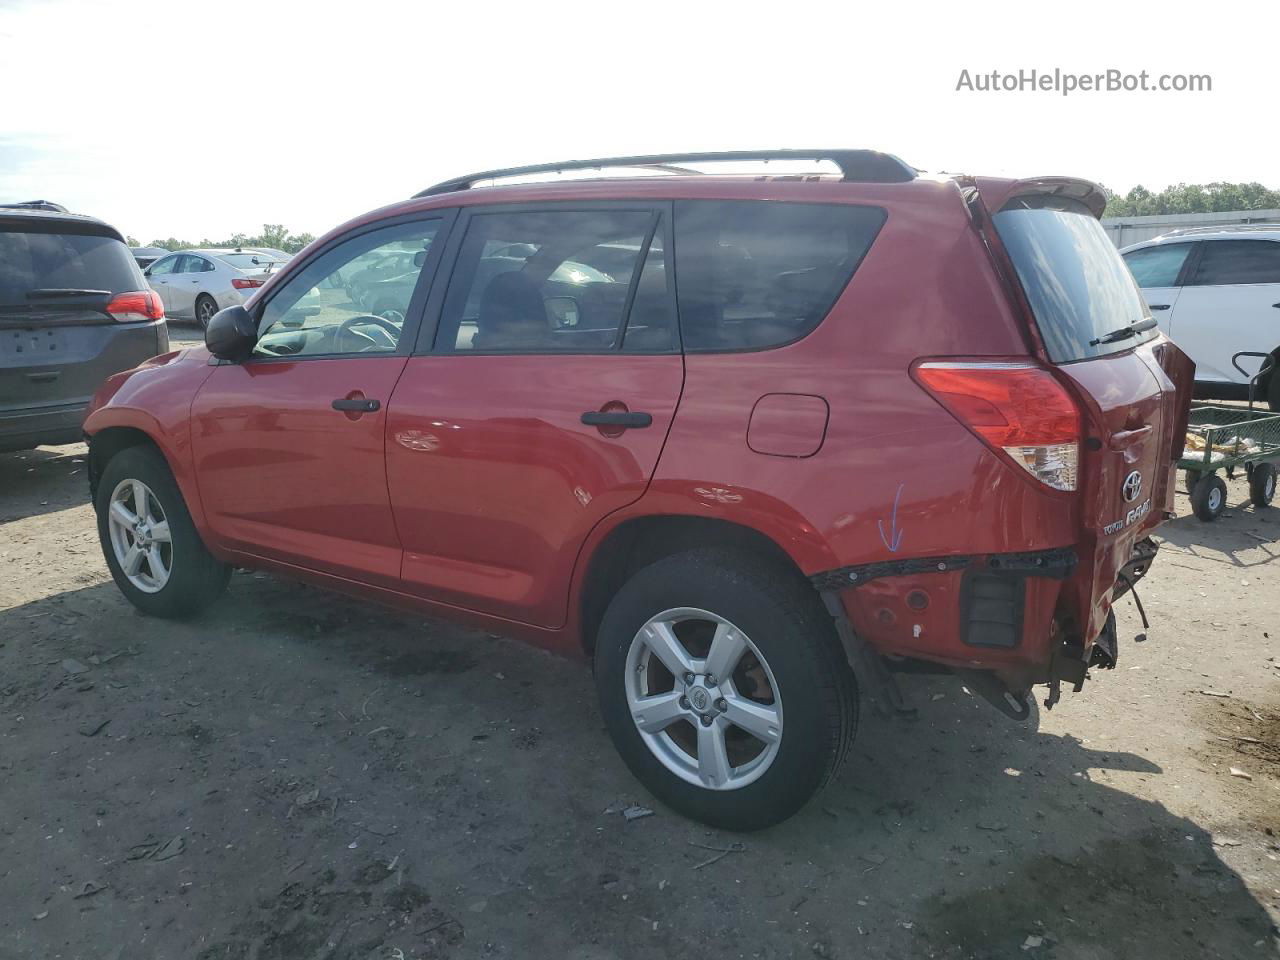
1077	283
752	274
48	261
1158	266
1238	261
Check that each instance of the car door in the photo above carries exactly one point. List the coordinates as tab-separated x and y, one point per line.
1158	270
159	275
1228	305
540	407
185	284
288	444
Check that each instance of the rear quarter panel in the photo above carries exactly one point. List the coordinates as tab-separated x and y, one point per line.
925	288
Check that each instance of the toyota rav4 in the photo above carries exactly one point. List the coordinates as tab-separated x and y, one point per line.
755	443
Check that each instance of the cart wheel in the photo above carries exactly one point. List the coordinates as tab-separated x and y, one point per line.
1262	485
1191	477
1209	498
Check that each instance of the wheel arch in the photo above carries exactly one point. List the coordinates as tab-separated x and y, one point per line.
107	443
638	541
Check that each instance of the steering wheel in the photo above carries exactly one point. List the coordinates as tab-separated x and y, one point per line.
347	328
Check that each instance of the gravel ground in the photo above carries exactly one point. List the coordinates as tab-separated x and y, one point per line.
295	775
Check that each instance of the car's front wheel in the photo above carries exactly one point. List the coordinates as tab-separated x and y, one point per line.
151	546
724	687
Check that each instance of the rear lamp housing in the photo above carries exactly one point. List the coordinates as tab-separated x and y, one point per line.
1018	409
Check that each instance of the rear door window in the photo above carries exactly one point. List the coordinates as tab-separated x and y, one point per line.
558	281
1158	266
1238	261
42	262
752	274
1077	283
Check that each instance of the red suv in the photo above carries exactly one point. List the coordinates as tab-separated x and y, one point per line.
753	443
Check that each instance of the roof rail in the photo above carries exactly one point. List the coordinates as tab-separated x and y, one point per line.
864	165
46	205
1223	228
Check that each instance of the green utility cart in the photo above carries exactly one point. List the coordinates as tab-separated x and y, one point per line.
1223	437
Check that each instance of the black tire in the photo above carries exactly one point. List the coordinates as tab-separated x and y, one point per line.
1273	384
1209	498
1190	478
785	621
1262	484
196	579
206	307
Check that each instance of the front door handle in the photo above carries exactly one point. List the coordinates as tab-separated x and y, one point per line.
1165	306
624	419
356	405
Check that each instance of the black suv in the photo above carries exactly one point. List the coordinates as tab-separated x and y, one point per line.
74	309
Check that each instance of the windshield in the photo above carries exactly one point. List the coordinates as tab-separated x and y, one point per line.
49	262
1078	286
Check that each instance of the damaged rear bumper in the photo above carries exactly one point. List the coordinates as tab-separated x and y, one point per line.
1006	620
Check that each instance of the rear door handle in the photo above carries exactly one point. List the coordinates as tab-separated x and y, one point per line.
597	418
1165	306
1124	439
47	377
356	404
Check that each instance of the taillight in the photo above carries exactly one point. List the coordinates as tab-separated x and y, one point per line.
1017	408
244	283
136	306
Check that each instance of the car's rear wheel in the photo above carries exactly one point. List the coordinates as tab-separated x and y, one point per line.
206	307
1209	498
151	546
1262	484
724	687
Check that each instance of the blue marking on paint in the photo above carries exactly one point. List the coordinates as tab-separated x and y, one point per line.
894	540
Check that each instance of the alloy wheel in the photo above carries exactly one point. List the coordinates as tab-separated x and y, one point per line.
140	537
703	699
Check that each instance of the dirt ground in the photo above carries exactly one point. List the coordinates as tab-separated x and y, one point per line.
294	775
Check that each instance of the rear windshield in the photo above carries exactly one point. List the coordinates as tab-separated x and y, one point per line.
45	261
248	261
1075	280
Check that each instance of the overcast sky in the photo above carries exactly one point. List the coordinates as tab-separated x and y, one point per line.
200	119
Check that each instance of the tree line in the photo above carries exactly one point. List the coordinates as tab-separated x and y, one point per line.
1192	198
273	235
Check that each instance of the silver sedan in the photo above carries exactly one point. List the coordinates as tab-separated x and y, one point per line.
196	284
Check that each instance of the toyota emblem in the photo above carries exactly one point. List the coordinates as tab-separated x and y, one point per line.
1132	487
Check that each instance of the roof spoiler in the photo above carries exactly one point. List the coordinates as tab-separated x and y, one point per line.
868	166
997	193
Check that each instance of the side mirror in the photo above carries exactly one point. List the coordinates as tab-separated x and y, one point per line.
231	334
420	258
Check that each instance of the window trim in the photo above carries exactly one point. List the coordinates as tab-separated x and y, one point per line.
1190	276
662	212
422	290
885	217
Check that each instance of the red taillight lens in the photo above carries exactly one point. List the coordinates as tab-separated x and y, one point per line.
244	283
136	306
1017	408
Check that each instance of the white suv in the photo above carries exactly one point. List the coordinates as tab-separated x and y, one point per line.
1216	291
